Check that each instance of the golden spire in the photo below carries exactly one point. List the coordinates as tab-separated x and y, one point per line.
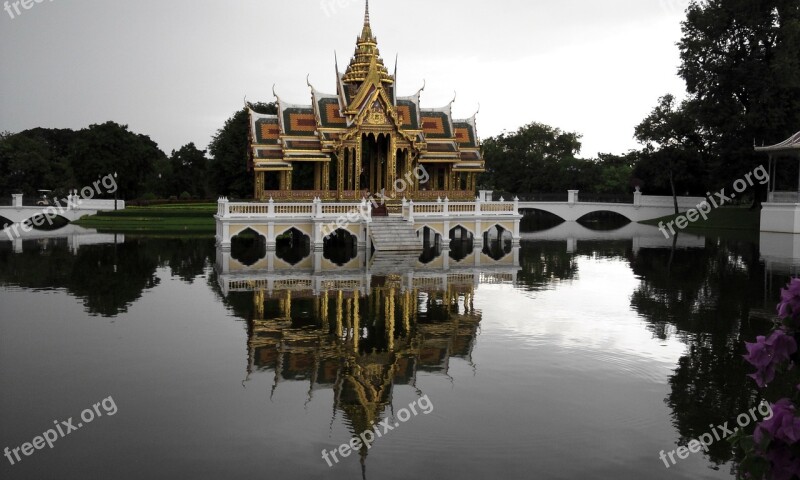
366	50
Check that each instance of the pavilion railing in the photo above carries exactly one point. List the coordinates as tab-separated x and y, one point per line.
447	209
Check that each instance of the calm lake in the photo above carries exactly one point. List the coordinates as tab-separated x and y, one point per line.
582	354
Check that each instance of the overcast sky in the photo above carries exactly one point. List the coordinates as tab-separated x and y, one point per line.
177	69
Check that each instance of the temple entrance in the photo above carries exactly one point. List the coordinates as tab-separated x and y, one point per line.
375	157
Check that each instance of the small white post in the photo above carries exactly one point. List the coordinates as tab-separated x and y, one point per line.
637	197
478	202
411	211
17	200
446	206
271	208
317	207
573	196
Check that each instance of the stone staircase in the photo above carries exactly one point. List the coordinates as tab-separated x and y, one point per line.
394	234
392	263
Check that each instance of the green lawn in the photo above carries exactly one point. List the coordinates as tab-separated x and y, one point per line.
725	218
163	219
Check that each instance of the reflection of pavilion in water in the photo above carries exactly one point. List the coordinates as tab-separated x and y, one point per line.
361	333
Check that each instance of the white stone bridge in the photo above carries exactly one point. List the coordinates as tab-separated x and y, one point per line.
643	207
70	209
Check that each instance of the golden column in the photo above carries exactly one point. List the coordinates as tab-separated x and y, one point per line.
324	311
390	318
347	169
258	303
348	311
358	170
356	320
339	301
287	305
259	186
391	167
326	178
339	174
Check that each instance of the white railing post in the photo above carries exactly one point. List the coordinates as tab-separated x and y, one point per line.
317	207
226	211
411	211
573	197
16	200
446	206
637	198
516	205
478	202
271	208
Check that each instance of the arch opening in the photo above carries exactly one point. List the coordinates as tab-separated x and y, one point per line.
248	247
44	223
431	245
293	246
535	220
604	220
497	242
340	247
4	222
462	242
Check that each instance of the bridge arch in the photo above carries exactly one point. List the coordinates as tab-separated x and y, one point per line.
609	219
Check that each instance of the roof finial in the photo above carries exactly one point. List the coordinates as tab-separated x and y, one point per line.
366	14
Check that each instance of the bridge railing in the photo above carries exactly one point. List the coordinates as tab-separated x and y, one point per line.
532	197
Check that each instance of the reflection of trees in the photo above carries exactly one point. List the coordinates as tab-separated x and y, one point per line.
704	297
108	278
541	263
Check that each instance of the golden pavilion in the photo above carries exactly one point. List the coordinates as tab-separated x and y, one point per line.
363	140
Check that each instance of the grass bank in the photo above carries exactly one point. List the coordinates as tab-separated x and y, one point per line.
741	219
196	218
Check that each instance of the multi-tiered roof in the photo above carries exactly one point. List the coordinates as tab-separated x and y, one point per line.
365	94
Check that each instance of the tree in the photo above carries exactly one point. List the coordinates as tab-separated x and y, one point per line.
189	168
741	63
671	139
24	165
229	152
535	158
109	148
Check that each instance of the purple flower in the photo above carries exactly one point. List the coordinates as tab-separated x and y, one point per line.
783	425
767	353
790	300
784	464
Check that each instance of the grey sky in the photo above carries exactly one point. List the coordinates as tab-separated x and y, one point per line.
177	69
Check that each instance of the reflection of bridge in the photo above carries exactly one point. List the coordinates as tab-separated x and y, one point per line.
643	207
75	236
71	209
643	236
